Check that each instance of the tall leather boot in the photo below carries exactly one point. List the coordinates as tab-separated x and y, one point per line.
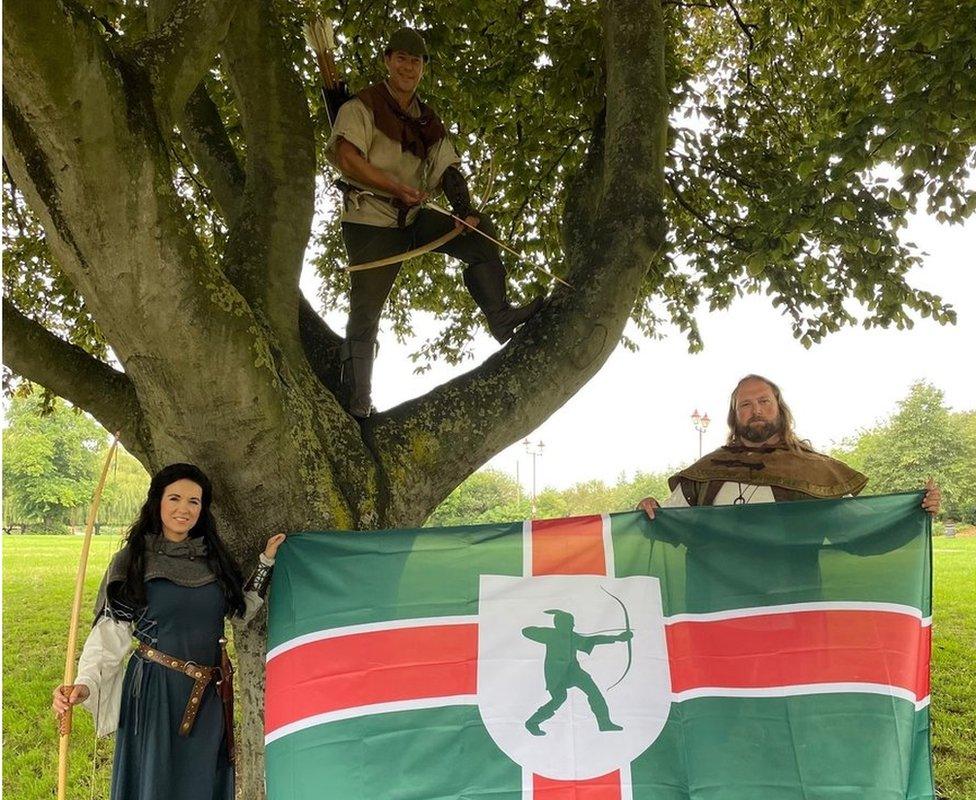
486	283
357	376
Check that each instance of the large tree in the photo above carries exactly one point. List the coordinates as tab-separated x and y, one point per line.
160	175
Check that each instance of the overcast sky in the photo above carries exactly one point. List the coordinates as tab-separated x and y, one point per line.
635	414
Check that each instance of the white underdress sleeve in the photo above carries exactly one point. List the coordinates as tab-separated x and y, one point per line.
100	668
252	604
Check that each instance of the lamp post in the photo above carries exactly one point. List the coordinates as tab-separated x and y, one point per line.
533	450
700	421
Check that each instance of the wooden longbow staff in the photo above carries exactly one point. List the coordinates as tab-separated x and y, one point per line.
69	660
434	207
407	255
426	248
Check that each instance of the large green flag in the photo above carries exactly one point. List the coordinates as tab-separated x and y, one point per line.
762	652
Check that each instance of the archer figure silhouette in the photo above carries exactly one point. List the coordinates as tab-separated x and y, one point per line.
563	670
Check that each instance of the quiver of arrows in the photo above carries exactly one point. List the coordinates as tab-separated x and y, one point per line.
334	98
321	38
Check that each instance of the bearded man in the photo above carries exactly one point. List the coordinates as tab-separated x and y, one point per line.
764	461
393	152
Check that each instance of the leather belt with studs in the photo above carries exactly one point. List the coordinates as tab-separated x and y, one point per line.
200	675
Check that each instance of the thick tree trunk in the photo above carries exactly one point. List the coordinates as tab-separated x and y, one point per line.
249	689
222	362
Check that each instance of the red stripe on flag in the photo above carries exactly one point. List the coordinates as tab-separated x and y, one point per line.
367	668
606	787
802	647
924	671
750	652
571	546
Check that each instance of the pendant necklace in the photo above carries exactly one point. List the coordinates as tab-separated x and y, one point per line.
741	500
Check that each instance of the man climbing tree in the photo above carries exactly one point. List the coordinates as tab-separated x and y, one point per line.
393	151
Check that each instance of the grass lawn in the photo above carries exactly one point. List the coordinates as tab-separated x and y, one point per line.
38	580
38	584
953	670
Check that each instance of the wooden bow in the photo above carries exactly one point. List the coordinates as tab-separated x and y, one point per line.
433	206
417	251
69	659
433	245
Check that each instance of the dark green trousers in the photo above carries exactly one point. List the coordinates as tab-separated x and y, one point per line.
370	288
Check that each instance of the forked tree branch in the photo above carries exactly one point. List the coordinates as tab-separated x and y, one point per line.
266	244
182	47
201	127
440	438
205	136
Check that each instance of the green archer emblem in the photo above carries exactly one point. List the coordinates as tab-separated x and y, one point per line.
563	670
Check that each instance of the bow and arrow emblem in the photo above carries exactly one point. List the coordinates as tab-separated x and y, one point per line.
630	644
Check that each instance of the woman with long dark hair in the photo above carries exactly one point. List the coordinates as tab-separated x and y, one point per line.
170	588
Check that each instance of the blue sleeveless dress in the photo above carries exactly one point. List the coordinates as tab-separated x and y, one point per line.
152	762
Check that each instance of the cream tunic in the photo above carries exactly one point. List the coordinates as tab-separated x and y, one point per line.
354	123
726	495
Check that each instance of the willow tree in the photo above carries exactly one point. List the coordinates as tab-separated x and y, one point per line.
160	175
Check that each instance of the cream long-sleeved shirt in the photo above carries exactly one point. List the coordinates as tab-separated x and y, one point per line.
727	495
354	123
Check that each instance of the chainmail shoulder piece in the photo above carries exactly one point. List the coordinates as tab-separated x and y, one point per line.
184	563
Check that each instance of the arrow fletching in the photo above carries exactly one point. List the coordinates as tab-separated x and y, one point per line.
319	35
309	36
328	32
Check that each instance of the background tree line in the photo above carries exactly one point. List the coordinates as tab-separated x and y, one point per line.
52	455
923	438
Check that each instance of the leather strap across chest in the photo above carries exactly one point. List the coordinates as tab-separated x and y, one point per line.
199	674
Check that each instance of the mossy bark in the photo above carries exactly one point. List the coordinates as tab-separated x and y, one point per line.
222	362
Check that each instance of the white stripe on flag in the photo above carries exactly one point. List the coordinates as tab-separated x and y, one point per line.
528	784
365	711
796	608
626	783
608	546
370	627
527	548
802	689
